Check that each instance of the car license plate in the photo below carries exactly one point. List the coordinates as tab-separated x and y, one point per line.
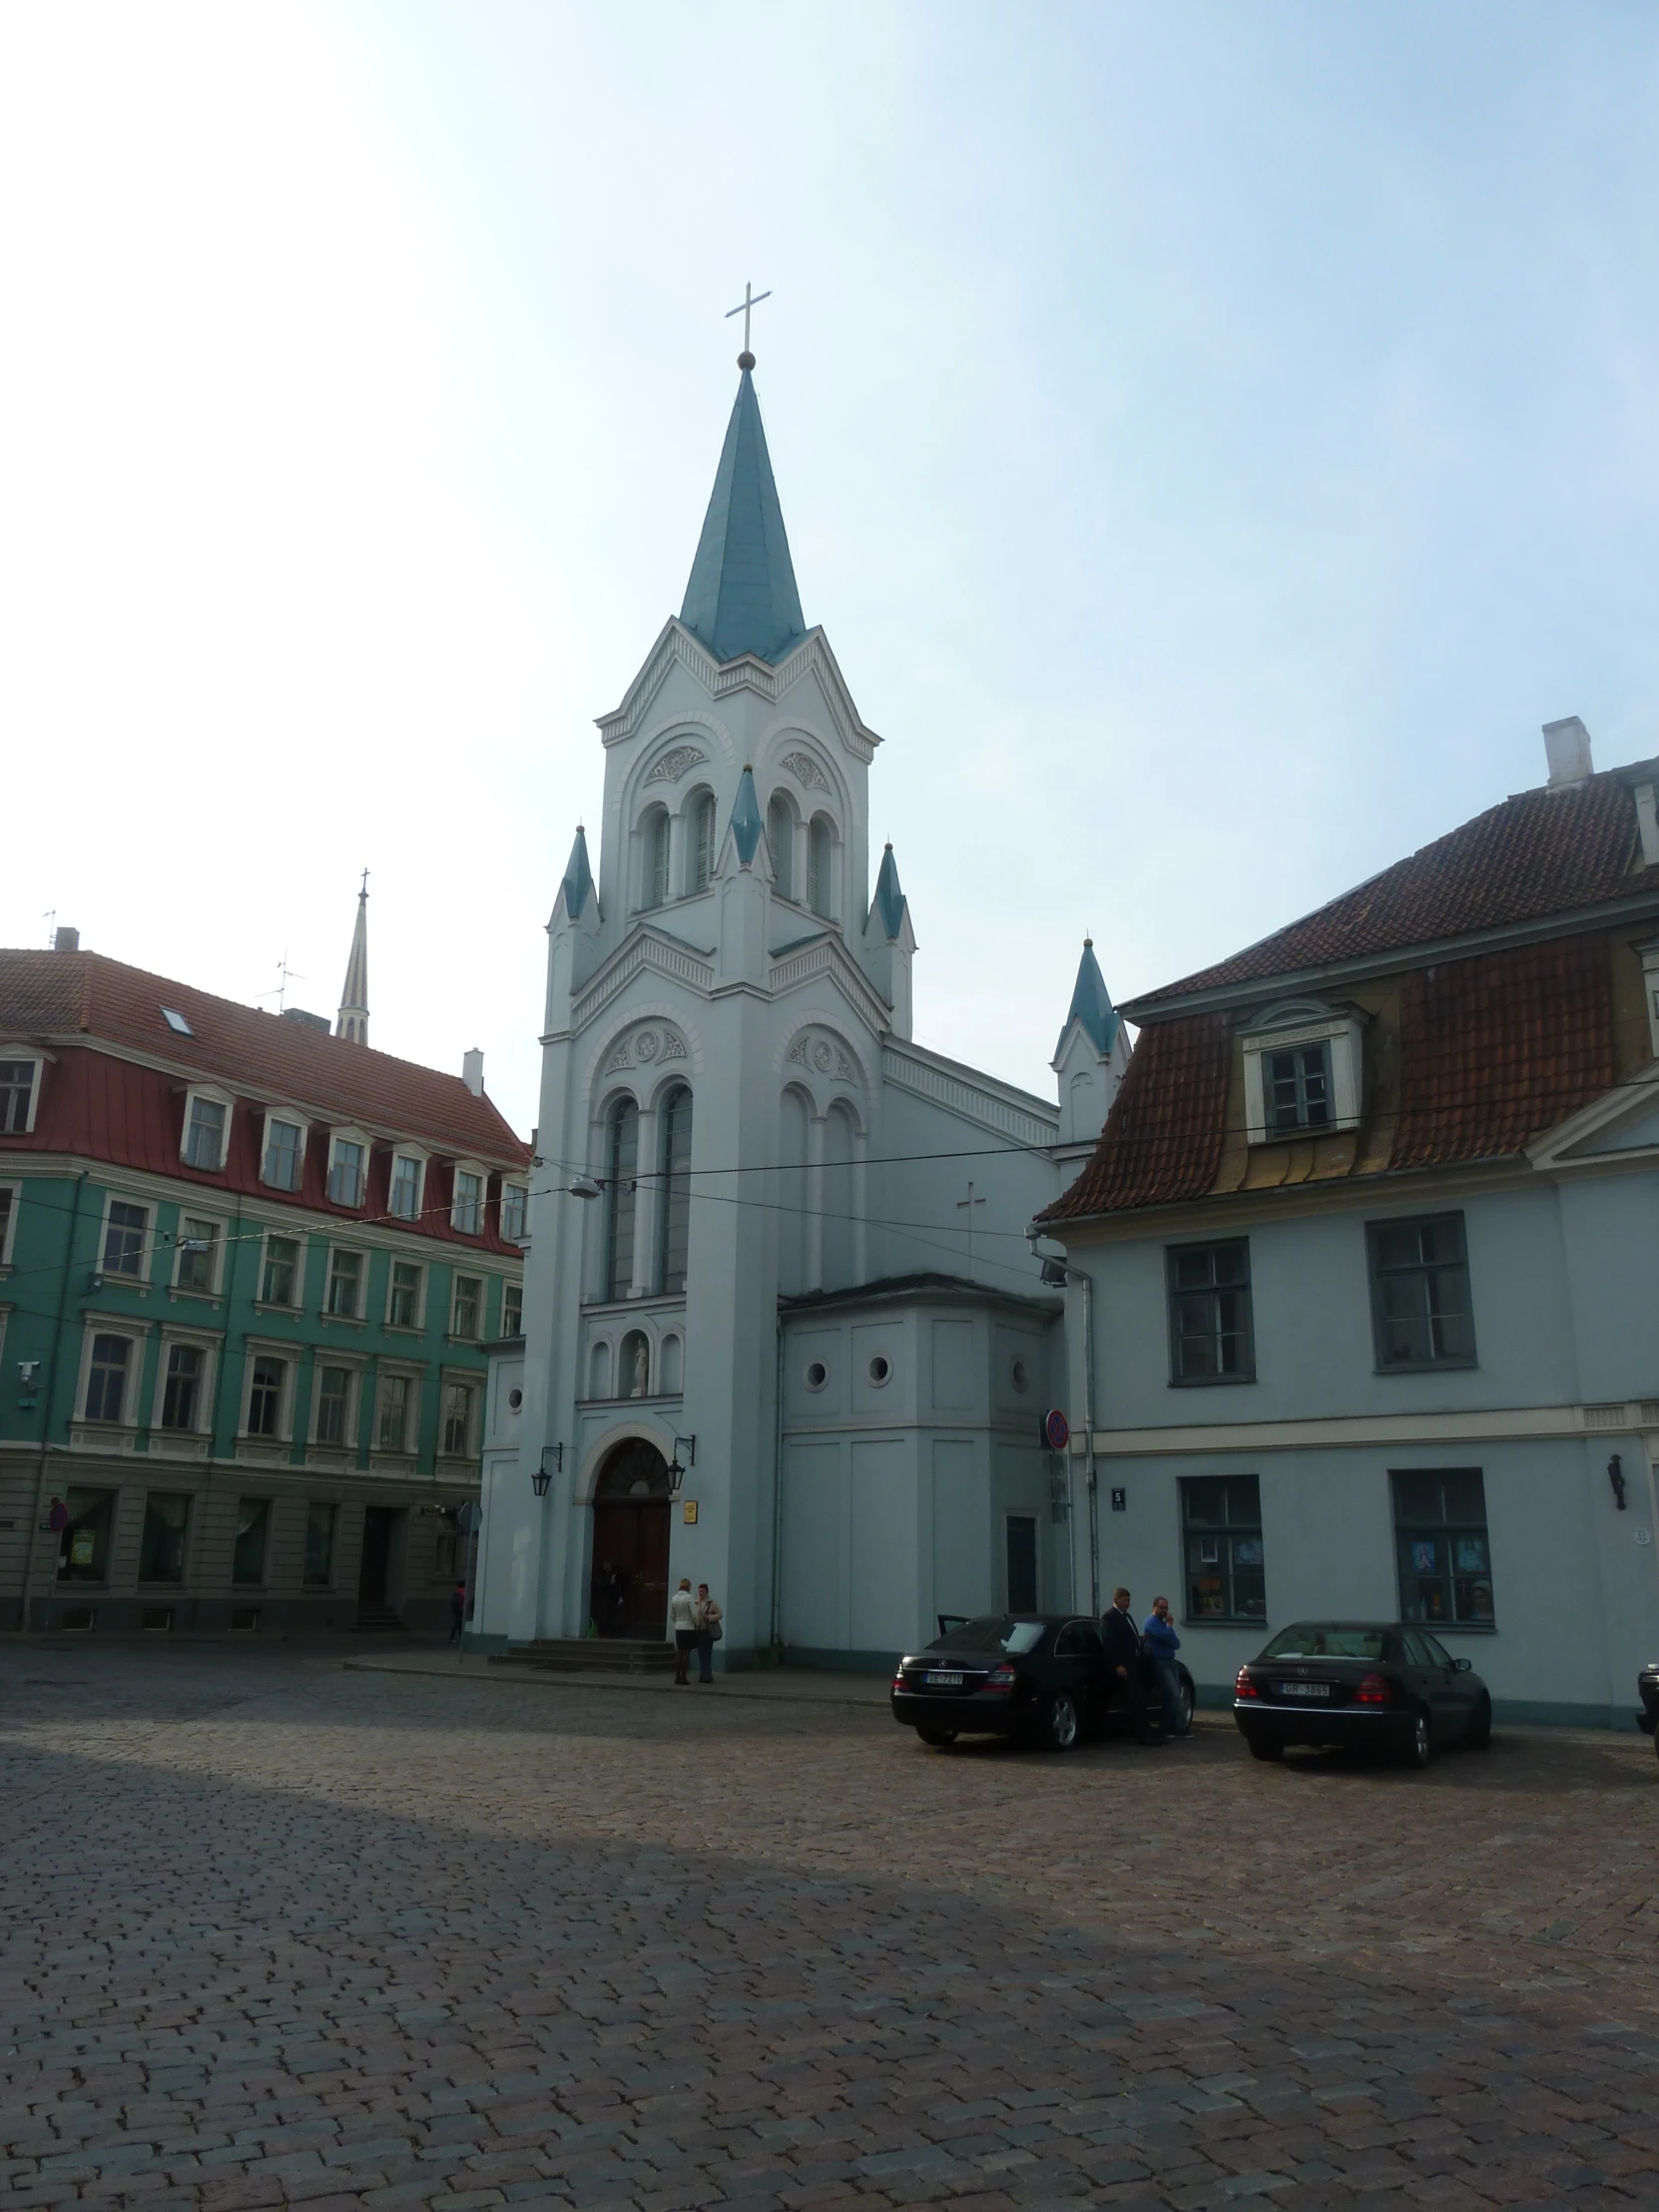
1304	1689
944	1681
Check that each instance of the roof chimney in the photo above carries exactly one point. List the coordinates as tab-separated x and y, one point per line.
65	939
1567	745
472	1071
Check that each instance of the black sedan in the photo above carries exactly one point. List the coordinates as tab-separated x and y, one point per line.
1362	1685
1042	1676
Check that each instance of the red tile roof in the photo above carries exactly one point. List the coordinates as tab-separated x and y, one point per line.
1163	1137
1543	853
257	1054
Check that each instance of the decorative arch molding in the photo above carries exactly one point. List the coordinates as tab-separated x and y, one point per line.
619	1432
788	749
690	731
673	764
616	1063
1293	1013
818	1048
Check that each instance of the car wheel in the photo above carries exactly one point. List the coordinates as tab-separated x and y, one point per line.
1184	1710
1421	1747
940	1738
1480	1728
1059	1723
1264	1747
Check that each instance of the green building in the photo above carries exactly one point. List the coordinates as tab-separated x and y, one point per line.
250	1270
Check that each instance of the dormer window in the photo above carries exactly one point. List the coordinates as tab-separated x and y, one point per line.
283	1162
409	1171
513	1196
347	1170
206	1126
1303	1070
466	1212
19	1083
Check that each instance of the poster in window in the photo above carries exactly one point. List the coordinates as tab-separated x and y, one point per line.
1471	1555
81	1549
1247	1551
1207	1596
1422	1558
1209	1551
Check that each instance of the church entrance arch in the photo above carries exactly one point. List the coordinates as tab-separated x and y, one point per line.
629	1592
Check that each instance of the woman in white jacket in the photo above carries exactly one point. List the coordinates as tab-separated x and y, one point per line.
682	1618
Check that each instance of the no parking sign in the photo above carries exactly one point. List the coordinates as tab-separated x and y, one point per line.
1056	1430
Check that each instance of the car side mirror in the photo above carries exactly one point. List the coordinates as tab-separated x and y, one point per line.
1462	1665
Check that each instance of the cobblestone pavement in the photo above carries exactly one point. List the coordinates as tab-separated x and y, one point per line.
279	1931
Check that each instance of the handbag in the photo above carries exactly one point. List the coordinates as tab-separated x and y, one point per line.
716	1631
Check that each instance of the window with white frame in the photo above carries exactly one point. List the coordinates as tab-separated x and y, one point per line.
267	1386
409	1171
207	1128
335	1417
283	1163
466	1212
184	1387
112	1376
19	1083
348	1169
281	1272
514	1198
1303	1071
125	1238
512	1309
396	1422
467	1313
196	1266
404	1296
345	1299
460	1400
11	1200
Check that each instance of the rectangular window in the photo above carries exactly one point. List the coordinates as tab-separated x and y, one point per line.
469	1305
198	1253
112	1358
265	1395
182	1392
334	1404
512	1309
84	1546
457	1419
1296	1088
161	1547
204	1134
468	1212
346	1173
124	1235
1220	1518
346	1283
320	1545
395	1391
17	1088
1420	1283
8	1211
1022	1563
280	1281
512	1212
405	1198
253	1533
1445	1562
1209	1303
284	1146
404	1308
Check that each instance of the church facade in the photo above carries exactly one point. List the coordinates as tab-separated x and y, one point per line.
784	1331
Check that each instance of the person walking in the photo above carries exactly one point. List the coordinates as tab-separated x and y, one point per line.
682	1618
709	1632
1126	1658
1161	1644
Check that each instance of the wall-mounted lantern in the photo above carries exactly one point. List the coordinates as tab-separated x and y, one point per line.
1615	1475
676	1472
552	1462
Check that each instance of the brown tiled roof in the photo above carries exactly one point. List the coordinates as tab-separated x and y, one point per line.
1162	1140
1542	853
67	994
1496	1048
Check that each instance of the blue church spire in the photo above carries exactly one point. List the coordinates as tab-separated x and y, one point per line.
1091	1003
741	596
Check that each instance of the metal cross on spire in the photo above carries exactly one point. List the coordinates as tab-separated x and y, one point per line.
363	894
746	305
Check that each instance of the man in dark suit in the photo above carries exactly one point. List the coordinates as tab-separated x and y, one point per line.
1123	1655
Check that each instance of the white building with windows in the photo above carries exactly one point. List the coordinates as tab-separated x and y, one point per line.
800	1273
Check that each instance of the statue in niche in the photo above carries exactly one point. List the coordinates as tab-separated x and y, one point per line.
642	1369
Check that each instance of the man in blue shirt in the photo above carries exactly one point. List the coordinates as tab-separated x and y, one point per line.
1161	1644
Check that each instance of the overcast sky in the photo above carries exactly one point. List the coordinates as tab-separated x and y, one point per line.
1214	439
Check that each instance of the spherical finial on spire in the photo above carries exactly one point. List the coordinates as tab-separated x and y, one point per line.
745	361
1088	944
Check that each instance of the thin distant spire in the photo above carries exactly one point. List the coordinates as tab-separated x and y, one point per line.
1091	1004
351	1022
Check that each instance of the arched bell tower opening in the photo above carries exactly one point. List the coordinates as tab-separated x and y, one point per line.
629	1591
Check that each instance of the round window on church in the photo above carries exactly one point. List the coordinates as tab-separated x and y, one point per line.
515	1399
1019	1374
816	1374
879	1369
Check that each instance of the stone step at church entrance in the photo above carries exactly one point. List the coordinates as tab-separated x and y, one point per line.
589	1655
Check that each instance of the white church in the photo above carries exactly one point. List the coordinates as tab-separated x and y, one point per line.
784	1332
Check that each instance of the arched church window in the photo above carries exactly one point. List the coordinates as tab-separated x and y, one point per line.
621	1167
780	845
653	887
677	1142
703	842
821	852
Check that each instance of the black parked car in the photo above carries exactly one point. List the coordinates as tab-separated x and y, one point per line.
1364	1685
1647	1687
1043	1676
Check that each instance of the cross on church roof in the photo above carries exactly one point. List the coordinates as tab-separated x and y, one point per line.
745	307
